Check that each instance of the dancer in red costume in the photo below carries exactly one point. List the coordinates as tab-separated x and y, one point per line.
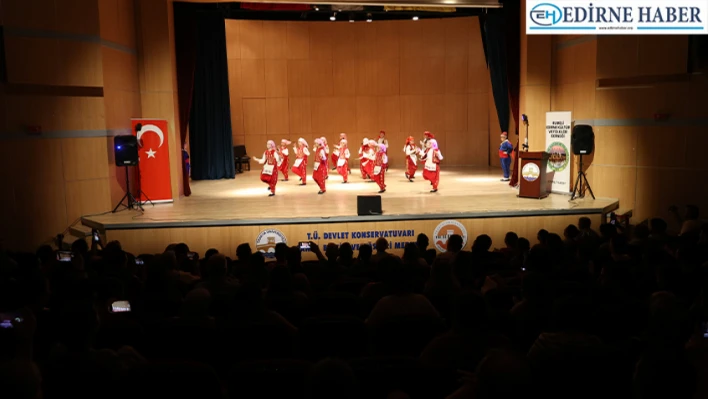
270	160
335	153
326	162
432	158
363	161
370	154
343	161
379	171
424	143
382	140
300	165
319	173
411	152
284	164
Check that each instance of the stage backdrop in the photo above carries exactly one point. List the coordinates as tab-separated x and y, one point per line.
311	79
558	126
154	154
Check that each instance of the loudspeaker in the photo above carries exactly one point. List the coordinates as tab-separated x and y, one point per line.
125	150
368	205
582	140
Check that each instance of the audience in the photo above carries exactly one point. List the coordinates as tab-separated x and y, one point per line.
621	313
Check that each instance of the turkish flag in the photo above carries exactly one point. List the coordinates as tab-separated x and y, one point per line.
154	155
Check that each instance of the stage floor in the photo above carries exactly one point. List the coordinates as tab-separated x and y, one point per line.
464	192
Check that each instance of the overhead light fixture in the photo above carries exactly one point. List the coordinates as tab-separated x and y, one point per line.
368	17
333	17
415	17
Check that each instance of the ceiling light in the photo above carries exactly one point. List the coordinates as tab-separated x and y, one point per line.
415	18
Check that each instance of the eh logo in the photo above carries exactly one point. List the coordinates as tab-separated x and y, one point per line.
546	14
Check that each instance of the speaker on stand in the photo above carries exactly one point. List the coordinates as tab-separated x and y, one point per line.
582	141
125	151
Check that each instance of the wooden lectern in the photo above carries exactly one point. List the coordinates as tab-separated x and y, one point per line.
532	183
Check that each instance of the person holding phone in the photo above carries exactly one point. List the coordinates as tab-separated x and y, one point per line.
269	173
300	165
319	174
343	160
432	158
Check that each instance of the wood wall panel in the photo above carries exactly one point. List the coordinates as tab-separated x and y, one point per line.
78	16
30	14
84	158
117	21
318	79
55	113
85	197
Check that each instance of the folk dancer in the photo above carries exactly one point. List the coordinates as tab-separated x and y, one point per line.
284	164
326	163
411	152
335	153
363	161
300	165
505	150
269	173
432	158
382	140
370	155
319	173
424	143
379	171
343	161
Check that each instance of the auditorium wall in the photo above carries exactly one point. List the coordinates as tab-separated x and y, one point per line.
313	79
71	72
617	84
648	164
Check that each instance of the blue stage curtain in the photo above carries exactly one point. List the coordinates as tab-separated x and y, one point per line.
493	37
210	142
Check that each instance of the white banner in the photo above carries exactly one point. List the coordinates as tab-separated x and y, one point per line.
617	17
558	125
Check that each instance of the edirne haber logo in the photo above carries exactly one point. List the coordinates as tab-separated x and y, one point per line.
617	17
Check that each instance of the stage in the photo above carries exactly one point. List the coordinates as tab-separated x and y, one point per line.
225	213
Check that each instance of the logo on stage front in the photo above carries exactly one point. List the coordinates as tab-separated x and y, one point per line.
267	241
558	159
530	172
443	232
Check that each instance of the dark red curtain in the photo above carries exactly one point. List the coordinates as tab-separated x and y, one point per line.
186	57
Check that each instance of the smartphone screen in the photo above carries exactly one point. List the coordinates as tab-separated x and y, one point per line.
120	307
304	246
6	320
139	261
64	256
96	237
192	256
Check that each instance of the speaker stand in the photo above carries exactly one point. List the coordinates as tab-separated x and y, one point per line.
578	187
130	200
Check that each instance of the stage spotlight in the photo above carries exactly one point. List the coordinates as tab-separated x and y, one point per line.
415	18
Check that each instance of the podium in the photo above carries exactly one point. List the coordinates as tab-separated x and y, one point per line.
532	183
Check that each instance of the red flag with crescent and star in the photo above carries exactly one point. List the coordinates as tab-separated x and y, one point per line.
154	155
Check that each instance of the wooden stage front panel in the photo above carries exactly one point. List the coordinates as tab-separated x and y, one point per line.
222	214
